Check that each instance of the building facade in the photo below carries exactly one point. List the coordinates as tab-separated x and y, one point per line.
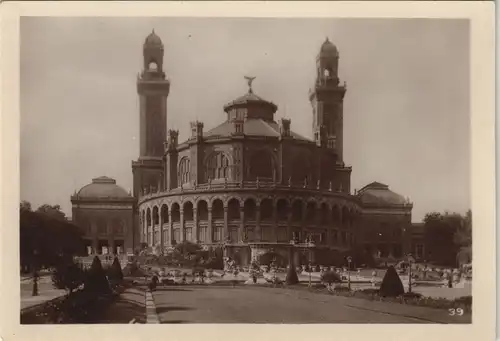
250	185
104	212
386	223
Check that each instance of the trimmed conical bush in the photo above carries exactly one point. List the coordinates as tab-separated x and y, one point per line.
97	283
116	273
391	284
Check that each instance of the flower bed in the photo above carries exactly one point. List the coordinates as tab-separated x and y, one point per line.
416	299
79	307
372	294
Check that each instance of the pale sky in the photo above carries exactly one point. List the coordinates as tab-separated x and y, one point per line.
406	110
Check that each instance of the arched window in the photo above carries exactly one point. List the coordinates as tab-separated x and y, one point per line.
311	212
217	210
184	168
156	216
250	210
297	211
282	210
148	217
202	210
326	73
176	213
152	66
233	209
188	211
217	166
266	209
164	214
118	226
261	166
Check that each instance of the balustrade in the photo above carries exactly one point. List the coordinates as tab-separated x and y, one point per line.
238	185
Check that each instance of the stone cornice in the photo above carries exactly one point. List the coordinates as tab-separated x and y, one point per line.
103	206
249	186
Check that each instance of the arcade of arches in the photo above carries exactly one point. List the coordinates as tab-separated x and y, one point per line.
260	224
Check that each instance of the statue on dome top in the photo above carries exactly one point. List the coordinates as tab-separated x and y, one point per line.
249	81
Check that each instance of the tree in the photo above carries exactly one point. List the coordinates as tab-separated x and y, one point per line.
45	240
115	272
68	275
439	235
53	211
96	282
391	284
330	277
25	206
463	234
187	248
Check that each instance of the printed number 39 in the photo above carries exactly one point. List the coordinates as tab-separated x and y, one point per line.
457	312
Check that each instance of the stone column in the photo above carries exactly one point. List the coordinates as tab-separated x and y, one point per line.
194	233
162	242
151	232
182	232
275	223
210	229
289	231
95	245
225	233
304	214
170	228
318	216
111	245
153	227
258	233
241	230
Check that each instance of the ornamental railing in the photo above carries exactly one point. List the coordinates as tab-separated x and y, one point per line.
239	185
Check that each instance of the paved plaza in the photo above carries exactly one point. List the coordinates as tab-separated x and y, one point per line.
247	304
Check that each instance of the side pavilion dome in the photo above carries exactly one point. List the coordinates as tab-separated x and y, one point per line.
103	187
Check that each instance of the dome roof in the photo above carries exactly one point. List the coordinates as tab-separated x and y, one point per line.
253	127
103	187
328	49
153	39
377	193
250	99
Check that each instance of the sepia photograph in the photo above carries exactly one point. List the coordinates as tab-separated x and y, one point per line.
245	170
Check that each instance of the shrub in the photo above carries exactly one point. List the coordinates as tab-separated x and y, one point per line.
412	295
330	277
96	281
132	270
369	291
466	300
291	276
391	284
68	275
115	272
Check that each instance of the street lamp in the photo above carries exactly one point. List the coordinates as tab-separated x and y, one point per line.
349	260
410	260
35	273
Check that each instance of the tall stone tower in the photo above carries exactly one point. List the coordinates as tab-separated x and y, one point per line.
153	89
327	99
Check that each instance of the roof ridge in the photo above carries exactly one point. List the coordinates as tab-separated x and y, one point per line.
266	124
